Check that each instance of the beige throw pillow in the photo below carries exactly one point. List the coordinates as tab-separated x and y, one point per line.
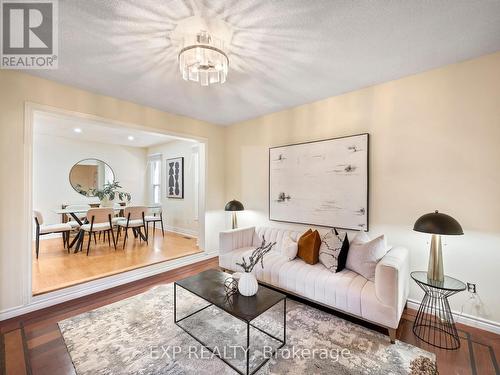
364	254
289	248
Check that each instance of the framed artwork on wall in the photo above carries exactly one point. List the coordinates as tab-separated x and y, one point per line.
175	178
323	183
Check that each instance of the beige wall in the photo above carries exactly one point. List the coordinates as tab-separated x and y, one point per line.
435	144
17	88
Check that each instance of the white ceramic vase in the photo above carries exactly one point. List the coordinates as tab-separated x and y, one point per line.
247	284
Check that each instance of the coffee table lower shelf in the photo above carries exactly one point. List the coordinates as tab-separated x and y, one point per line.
248	325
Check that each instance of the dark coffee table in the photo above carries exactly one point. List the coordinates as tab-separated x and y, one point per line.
209	285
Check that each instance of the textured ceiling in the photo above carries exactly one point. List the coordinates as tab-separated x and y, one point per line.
283	52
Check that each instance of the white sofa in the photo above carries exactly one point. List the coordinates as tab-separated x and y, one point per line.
380	302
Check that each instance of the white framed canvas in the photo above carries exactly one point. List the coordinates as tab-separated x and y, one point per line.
175	178
323	183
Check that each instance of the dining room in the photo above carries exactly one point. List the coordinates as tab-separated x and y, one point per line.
108	199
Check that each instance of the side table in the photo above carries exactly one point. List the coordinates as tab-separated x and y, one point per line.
434	323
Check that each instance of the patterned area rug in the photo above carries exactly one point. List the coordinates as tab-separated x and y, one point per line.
138	336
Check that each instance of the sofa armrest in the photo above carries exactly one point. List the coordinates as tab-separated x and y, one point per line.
392	278
234	239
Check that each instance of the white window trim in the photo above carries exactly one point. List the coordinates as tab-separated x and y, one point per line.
154	158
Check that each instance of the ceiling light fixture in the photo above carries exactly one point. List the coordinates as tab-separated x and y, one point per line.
130	138
203	59
77	130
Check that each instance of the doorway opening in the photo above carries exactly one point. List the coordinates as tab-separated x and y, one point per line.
82	167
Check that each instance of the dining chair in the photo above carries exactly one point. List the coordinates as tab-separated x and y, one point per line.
98	220
156	217
134	219
42	229
117	209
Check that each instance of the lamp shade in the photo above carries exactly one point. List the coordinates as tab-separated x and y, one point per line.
234	205
438	223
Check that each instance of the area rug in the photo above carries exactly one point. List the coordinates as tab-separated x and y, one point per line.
138	336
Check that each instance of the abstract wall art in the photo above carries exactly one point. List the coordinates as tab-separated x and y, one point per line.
175	178
322	183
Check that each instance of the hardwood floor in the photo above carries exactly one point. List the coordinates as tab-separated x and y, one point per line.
56	269
46	352
478	353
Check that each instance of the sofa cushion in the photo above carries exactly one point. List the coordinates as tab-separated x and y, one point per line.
364	254
340	290
309	244
333	250
229	260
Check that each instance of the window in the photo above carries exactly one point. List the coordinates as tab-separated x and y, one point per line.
155	178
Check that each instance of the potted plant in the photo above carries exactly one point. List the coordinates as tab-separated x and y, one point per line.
109	192
247	283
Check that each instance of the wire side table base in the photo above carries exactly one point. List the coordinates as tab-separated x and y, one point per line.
434	323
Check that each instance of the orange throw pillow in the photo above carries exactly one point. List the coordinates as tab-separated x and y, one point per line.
303	244
309	244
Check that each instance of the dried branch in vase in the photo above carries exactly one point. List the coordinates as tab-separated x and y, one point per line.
256	256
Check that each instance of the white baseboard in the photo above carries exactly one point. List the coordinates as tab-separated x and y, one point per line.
76	291
182	231
468	320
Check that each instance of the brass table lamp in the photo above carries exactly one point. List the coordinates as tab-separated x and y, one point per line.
437	224
234	206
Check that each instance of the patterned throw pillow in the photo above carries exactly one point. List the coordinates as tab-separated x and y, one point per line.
333	250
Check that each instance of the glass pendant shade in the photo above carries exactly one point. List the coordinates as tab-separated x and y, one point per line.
202	59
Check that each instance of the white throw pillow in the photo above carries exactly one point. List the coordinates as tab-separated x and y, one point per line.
330	251
289	248
364	254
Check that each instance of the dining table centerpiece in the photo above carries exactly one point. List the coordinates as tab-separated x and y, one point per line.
247	283
109	193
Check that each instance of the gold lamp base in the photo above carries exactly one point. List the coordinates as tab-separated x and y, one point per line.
435	271
234	221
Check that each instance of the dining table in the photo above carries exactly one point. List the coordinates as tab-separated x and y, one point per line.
77	213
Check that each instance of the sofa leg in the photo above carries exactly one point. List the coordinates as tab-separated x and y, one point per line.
392	334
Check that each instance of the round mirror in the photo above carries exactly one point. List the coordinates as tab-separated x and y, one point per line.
89	175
